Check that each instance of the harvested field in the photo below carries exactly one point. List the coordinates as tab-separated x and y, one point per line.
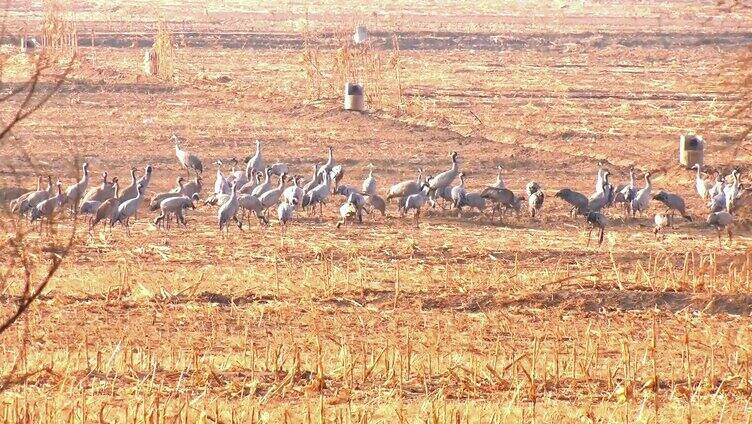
461	319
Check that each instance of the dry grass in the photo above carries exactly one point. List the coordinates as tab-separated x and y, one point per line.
456	321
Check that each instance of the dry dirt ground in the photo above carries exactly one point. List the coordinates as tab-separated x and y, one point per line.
459	320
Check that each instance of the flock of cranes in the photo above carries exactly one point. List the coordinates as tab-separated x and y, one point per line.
253	192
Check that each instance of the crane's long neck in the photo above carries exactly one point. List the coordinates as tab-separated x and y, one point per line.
39	183
133	176
631	178
117	189
699	175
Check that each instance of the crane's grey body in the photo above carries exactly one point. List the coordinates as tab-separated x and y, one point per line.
265	186
700	185
229	210
641	202
369	184
720	221
255	163
271	197
188	160
599	221
174	206
193	187
220	182
577	200
128	209
503	200
444	179
348	210
286	210
293	194
673	202
75	193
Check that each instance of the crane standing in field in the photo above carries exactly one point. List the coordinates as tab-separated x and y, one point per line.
187	160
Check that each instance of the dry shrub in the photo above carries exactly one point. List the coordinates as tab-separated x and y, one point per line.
163	51
59	34
378	69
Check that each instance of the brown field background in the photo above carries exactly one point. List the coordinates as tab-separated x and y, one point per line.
459	320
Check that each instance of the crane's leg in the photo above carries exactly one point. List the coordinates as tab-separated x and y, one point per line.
731	235
600	238
417	216
588	237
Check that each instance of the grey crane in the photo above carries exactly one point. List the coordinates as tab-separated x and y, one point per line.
255	163
722	220
337	172
369	184
535	202
108	208
348	210
102	192
577	200
286	210
458	194
718	201
266	185
193	187
314	180
252	206
145	180
718	186
254	182
673	202
294	192
318	195
499	183
279	168
404	189
600	176
34	198
700	185
502	199
641	202
75	193
229	211
156	201
187	160
417	201
15	203
733	191
131	191
444	179
474	200
46	208
271	197
352	195
662	220
330	162
601	198
220	182
174	206
376	202
626	193
128	209
599	221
